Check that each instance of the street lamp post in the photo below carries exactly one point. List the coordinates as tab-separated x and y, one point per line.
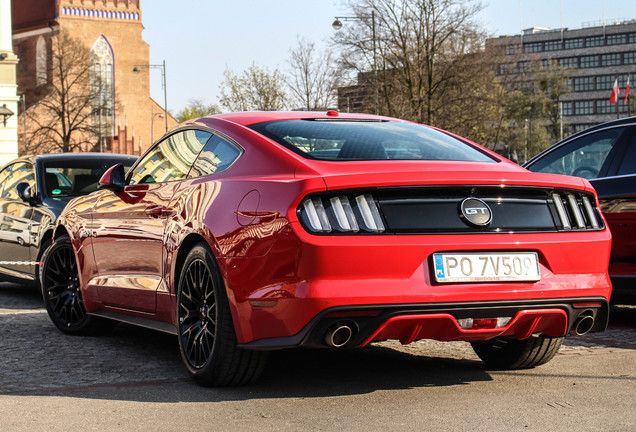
152	123
162	66
337	25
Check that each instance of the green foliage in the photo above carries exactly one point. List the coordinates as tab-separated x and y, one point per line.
196	108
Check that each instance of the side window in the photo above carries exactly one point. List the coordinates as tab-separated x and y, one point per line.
170	159
628	164
583	157
19	172
217	156
3	178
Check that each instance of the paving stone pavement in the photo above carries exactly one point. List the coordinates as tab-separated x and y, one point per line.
36	357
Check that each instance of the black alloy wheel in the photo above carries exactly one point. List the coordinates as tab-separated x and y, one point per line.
62	294
207	340
197	313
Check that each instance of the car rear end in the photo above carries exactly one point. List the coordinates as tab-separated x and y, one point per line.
422	270
455	247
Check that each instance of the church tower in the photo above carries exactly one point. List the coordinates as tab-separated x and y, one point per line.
111	31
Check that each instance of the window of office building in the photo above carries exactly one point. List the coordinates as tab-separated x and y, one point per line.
533	47
604	82
629	57
610	59
632	37
567	108
594	41
616	39
589	61
583	107
580	127
603	106
584	84
574	43
569	62
552	45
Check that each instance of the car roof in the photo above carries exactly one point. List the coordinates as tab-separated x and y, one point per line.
69	155
54	156
251	117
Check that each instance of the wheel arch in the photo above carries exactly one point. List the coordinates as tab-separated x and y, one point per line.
48	235
185	247
59	231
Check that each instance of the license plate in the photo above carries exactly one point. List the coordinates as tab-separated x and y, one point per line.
487	266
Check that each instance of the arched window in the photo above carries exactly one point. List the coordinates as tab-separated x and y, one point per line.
40	62
102	90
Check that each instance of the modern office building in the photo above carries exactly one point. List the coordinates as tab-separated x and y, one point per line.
596	56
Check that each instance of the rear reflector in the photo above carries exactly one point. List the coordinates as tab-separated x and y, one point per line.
482	323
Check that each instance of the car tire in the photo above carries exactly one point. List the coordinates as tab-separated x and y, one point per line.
505	353
62	295
207	339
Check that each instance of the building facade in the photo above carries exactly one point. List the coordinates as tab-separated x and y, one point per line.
112	31
8	88
595	57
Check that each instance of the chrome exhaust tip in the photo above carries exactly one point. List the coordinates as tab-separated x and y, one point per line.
583	325
339	335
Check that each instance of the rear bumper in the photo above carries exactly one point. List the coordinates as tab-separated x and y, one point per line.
408	323
286	297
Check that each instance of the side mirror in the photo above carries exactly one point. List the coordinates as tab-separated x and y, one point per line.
25	193
113	179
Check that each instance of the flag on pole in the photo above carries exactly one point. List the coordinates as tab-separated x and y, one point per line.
615	92
626	91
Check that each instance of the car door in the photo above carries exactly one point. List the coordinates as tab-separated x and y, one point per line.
607	158
15	221
128	226
617	196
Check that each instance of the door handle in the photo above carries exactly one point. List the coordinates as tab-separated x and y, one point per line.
154	211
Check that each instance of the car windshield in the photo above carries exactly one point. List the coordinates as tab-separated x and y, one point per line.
75	177
347	140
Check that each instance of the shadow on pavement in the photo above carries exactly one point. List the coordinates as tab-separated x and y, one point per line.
136	364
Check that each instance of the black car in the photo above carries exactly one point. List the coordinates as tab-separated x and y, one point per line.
33	192
605	155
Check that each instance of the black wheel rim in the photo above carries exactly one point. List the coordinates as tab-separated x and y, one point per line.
197	313
62	287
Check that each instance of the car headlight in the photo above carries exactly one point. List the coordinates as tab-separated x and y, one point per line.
341	214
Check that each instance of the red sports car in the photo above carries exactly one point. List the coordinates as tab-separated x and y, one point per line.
243	233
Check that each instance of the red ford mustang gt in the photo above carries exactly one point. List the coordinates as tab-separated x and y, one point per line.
243	233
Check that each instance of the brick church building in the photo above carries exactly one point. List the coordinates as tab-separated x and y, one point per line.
119	59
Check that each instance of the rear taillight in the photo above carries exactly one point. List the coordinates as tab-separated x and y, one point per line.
576	211
341	214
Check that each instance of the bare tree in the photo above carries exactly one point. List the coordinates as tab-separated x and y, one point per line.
430	60
255	88
313	78
61	120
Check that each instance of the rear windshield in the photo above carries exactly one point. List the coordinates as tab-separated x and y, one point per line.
74	177
368	140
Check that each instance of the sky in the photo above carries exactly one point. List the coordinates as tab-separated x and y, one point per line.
200	39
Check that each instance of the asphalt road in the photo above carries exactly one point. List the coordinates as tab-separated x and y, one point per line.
133	379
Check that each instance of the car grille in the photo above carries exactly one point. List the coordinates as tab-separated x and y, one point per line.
436	210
